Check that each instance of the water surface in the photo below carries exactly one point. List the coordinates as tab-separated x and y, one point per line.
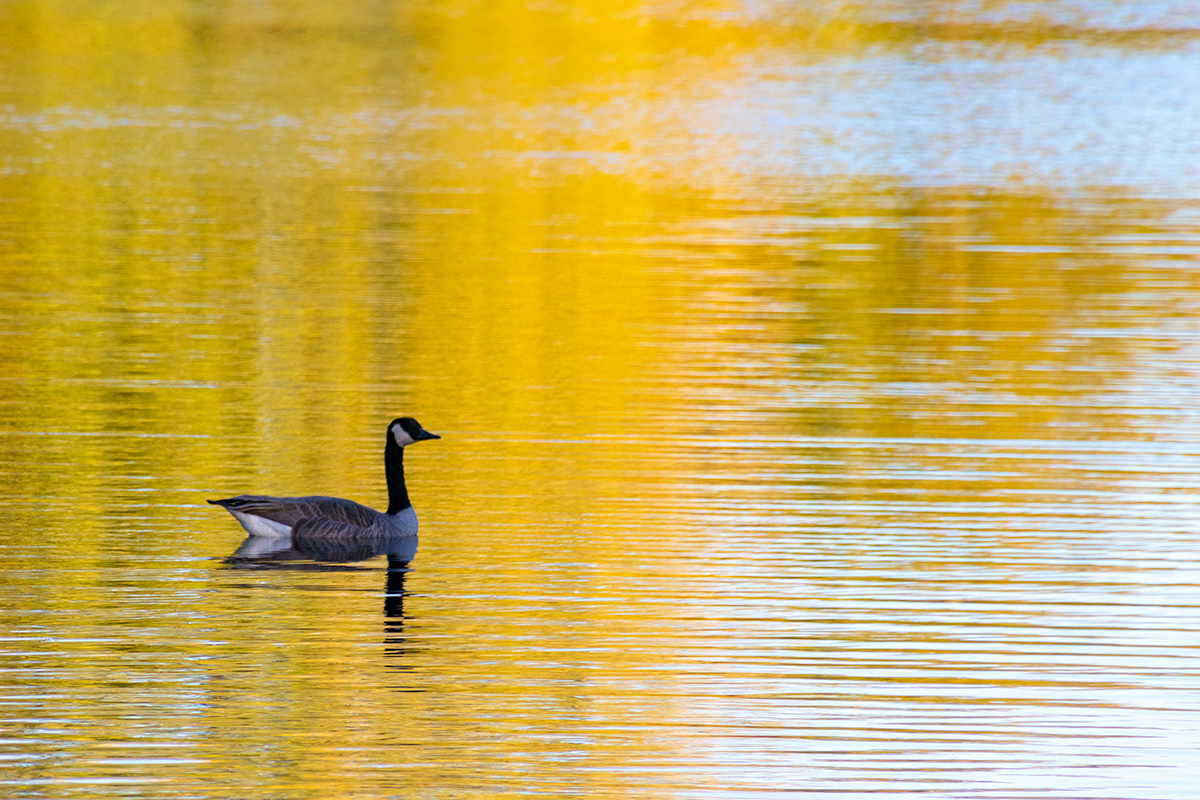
817	381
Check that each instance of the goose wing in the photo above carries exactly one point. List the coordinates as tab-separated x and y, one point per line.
326	540
324	529
292	511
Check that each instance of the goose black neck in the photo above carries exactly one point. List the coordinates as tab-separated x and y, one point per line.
393	465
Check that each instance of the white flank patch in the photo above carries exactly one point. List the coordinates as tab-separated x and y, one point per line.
261	526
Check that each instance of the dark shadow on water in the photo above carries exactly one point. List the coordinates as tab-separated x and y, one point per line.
324	555
287	553
393	616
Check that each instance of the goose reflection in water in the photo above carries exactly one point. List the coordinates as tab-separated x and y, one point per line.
325	554
297	552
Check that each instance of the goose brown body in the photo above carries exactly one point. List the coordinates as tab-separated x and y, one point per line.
320	517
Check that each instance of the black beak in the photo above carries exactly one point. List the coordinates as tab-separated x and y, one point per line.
424	434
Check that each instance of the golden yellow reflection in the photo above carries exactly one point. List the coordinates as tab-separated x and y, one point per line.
679	372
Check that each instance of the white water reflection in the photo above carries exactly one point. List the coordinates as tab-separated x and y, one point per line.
823	399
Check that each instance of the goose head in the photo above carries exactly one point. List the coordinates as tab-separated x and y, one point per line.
406	430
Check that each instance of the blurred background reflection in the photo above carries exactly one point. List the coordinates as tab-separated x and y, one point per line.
818	382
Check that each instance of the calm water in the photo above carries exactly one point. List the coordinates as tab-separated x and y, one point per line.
819	384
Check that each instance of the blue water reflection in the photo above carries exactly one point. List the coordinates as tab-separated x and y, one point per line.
822	377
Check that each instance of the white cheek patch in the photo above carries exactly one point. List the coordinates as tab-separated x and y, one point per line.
402	437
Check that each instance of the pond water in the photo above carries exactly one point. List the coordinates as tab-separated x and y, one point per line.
818	386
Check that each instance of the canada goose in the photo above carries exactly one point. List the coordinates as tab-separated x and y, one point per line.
310	518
